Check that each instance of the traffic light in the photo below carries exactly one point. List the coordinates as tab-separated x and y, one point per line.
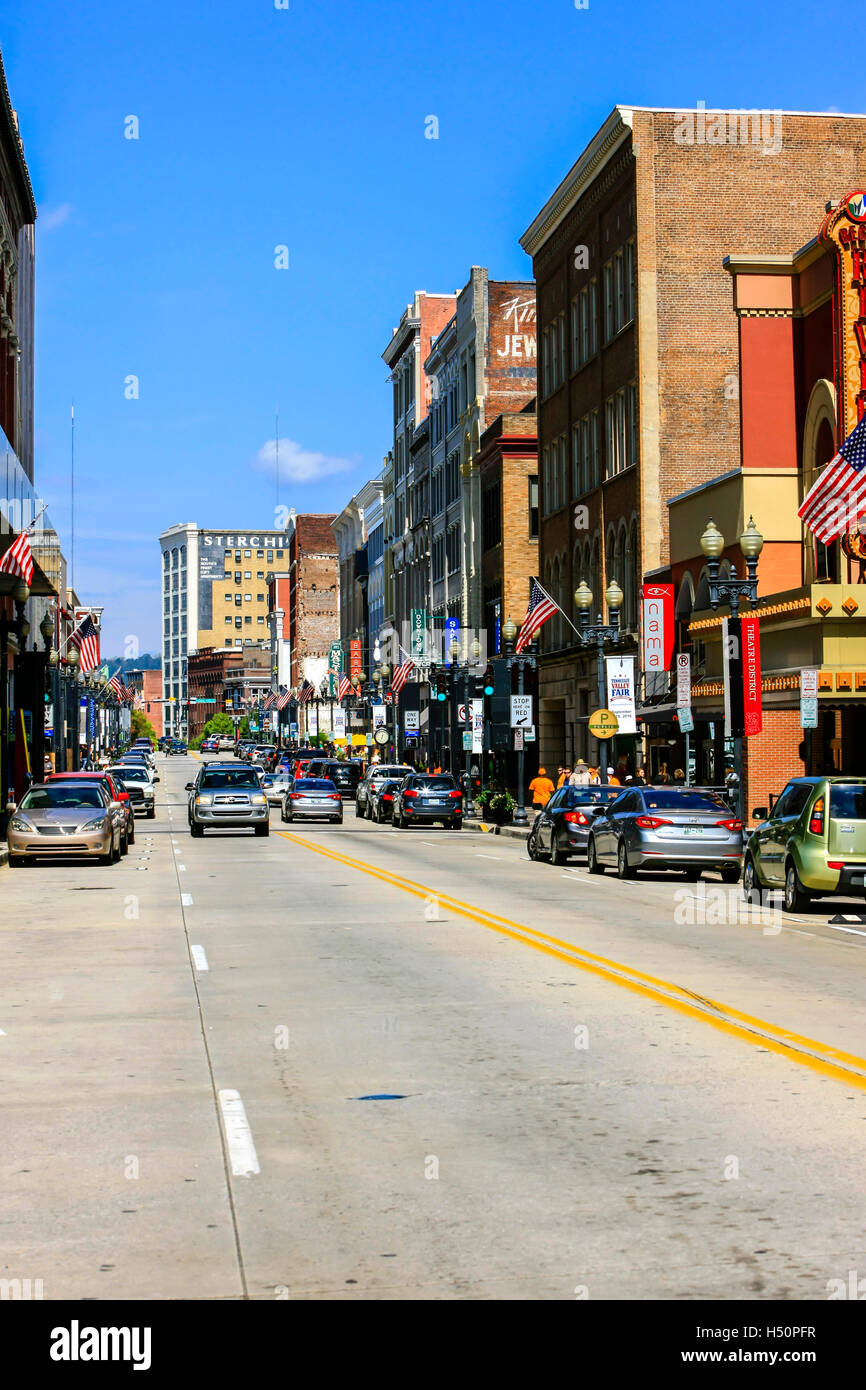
485	684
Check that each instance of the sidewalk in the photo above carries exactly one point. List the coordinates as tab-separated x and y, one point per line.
515	832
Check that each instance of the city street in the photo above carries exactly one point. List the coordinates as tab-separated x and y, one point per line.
359	1063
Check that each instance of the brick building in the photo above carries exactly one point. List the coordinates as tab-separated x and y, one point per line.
508	471
413	391
148	695
209	670
313	591
639	349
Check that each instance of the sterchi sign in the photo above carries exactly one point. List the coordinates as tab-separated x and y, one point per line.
657	636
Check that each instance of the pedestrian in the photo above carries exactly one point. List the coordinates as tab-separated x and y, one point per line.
679	777
564	774
612	779
542	789
594	777
640	776
662	779
580	776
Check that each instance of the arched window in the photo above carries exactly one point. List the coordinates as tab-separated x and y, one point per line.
619	564
820	562
594	579
631	582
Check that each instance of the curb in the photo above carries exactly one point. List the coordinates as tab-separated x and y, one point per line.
4	854
513	832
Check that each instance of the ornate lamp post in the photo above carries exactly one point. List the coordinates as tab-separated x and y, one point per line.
521	660
730	590
598	633
73	663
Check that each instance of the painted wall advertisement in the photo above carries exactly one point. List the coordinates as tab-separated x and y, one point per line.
620	692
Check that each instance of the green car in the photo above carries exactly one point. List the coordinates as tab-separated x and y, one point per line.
812	842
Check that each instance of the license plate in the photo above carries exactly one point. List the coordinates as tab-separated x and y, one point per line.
692	830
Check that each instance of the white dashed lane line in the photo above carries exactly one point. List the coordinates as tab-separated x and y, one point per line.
186	899
242	1150
199	958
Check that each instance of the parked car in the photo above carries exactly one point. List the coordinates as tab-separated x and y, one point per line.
428	796
312	798
562	827
686	828
266	754
344	774
64	817
138	782
136	760
224	795
377	772
382	799
119	797
210	744
225	743
243	748
811	843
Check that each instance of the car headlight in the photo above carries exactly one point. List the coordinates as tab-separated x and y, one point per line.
97	823
203	800
19	823
258	799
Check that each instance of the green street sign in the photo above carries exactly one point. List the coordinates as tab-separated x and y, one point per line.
419	632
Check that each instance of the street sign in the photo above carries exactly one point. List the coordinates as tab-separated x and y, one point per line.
685	719
411	720
529	734
809	682
467	741
521	711
684	680
518	740
419	632
809	711
452	632
478	726
603	723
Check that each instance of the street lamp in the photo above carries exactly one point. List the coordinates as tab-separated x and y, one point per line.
730	590
521	660
596	634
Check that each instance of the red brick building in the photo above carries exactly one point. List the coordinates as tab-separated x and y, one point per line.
148	693
638	396
208	672
508	470
313	597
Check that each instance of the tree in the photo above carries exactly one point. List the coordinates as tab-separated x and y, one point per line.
141	727
218	724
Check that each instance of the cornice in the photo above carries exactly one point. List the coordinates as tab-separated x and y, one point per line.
616	129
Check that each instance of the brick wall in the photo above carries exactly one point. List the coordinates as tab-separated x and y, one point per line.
314	610
773	757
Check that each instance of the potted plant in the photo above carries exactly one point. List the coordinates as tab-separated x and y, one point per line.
500	808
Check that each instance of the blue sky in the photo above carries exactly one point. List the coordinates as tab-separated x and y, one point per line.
304	127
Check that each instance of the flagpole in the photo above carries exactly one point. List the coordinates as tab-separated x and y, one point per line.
556	605
72	497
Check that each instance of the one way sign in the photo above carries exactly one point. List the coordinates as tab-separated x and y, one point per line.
521	711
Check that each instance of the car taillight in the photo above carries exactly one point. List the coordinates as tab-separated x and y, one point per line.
816	820
409	793
386	796
456	795
577	818
651	822
835	864
296	796
730	824
332	796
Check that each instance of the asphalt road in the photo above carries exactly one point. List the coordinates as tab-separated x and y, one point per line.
418	1065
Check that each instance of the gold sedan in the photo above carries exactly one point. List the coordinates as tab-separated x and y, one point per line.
58	818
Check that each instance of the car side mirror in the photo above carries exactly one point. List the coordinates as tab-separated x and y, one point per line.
598	810
157	779
759	813
123	796
189	786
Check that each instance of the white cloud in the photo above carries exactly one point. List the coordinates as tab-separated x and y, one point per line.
54	217
299	465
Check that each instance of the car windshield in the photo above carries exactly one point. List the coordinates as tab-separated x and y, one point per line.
130	773
314	784
848	802
390	772
229	777
590	796
436	783
659	799
61	795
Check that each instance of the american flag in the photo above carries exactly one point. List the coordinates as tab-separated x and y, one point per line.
283	700
269	701
86	639
833	503
119	688
541	607
401	675
344	687
305	692
19	559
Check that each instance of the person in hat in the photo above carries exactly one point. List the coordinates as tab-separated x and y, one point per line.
580	776
612	779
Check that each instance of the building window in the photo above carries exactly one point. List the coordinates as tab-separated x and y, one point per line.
248	554
260	554
248	619
577	472
576	353
438	491
546	383
279	555
491	516
453	477
227	597
438	559
237	557
260	574
238	600
533	507
563	350
610	437
593	317
608	301
452	549
260	598
260	618
563	469
229	621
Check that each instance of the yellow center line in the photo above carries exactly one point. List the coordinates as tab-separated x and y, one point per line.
821	1057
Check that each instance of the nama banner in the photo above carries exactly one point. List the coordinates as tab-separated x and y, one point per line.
751	641
657	626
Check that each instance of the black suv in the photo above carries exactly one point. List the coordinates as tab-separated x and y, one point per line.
428	796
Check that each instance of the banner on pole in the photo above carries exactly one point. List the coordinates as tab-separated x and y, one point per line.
657	626
620	692
752	713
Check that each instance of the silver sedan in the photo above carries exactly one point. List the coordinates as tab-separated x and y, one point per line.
686	828
312	798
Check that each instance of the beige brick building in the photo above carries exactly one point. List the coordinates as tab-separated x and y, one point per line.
638	347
